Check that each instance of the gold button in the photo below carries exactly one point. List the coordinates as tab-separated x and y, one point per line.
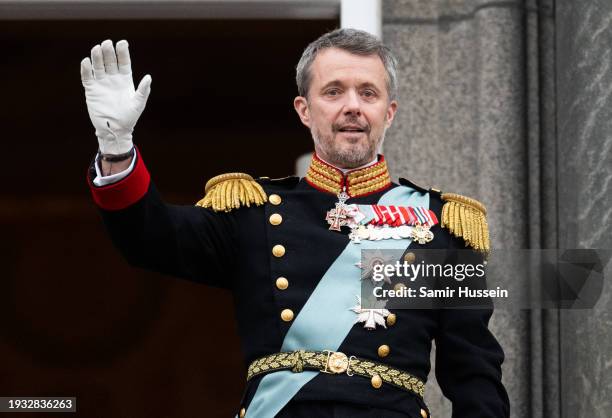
278	250
275	199
242	413
399	286
376	381
282	283
276	219
383	350
409	258
423	413
287	315
391	318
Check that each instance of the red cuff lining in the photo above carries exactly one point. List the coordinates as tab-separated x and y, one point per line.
125	192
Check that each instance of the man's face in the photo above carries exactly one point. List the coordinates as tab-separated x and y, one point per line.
347	107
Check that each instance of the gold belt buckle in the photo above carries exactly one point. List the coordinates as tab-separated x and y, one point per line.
337	363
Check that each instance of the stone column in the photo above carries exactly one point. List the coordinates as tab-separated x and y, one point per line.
584	165
468	123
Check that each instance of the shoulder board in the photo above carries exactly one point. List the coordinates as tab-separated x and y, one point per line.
408	183
435	192
231	191
466	218
405	182
283	181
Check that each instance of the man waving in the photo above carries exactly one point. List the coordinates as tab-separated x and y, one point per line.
289	249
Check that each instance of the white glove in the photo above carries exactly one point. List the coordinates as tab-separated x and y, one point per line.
113	104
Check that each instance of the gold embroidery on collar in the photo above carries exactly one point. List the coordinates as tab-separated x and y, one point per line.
326	170
358	183
323	182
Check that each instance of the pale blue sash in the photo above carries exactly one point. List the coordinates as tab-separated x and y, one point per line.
326	318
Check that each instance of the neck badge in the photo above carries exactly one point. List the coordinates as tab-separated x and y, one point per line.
338	216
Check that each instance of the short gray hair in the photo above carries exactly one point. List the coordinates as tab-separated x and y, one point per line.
354	41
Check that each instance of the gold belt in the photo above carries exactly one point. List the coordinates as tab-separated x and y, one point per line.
335	362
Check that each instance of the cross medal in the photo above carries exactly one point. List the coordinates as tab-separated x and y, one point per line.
337	217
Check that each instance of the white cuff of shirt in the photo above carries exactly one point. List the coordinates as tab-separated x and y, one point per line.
101	180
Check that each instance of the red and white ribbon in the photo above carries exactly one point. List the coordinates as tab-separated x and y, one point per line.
402	215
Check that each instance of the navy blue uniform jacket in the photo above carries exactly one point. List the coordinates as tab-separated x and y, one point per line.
233	251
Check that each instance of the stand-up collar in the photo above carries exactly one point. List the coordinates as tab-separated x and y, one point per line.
360	182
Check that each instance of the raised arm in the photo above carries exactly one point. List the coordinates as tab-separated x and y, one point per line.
184	241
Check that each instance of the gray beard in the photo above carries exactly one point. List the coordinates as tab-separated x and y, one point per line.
345	158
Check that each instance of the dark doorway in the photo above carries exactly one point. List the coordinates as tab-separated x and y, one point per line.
75	319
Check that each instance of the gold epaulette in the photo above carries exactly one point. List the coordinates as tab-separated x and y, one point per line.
466	218
231	191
